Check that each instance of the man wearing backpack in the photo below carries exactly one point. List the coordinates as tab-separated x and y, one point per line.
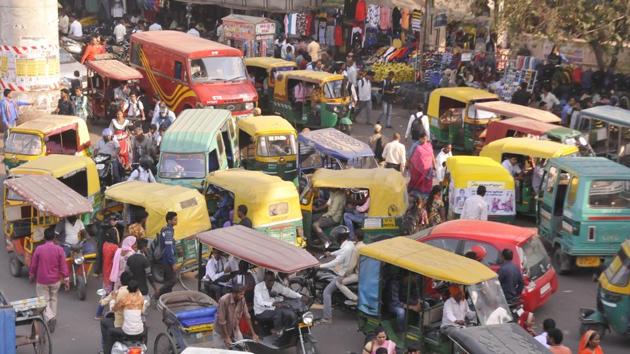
164	253
418	123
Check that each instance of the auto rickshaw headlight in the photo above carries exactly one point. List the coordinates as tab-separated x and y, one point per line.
307	318
79	260
249	106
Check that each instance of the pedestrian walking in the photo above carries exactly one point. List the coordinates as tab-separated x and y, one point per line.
377	142
48	269
418	123
421	167
388	99
394	154
167	259
554	342
140	268
364	95
232	308
475	206
590	343
10	111
64	104
80	104
548	324
120	259
510	277
435	206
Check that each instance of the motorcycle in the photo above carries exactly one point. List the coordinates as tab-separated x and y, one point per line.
313	283
105	168
72	46
136	344
77	259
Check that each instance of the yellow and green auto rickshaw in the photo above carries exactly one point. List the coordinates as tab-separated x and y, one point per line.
77	172
608	131
312	99
264	71
469	172
427	274
454	118
198	142
47	134
386	189
272	204
157	199
530	156
268	144
613	298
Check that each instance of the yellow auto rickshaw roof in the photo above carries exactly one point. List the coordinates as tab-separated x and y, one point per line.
158	199
466	169
269	63
527	146
49	123
464	94
258	191
265	125
427	260
618	263
312	76
388	188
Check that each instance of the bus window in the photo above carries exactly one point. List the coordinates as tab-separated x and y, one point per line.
177	73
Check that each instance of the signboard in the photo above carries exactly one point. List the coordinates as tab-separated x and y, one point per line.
267	28
238	31
500	200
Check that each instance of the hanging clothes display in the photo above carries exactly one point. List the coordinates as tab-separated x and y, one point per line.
396	20
404	19
373	16
416	20
338	36
385	18
348	8
330	35
360	12
321	32
356	38
300	24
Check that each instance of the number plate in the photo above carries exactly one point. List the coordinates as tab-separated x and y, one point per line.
545	288
589	262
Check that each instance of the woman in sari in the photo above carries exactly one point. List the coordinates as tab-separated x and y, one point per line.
589	343
421	166
120	259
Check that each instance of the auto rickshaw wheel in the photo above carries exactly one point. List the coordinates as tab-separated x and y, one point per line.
597	327
81	289
164	344
15	265
561	261
309	347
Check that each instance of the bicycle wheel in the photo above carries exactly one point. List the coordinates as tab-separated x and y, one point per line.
40	337
164	344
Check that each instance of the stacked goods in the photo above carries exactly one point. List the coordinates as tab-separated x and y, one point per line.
402	72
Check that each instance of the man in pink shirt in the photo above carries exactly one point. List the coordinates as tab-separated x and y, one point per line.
48	268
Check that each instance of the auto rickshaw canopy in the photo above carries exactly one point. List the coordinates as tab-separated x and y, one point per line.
611	114
264	195
49	195
517	110
259	249
387	187
269	63
315	77
620	261
461	94
194	130
527	146
427	260
506	338
528	126
158	199
62	166
50	124
114	69
465	169
335	143
265	125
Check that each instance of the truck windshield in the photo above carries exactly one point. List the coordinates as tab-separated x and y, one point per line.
182	166
217	69
277	145
27	144
609	194
534	258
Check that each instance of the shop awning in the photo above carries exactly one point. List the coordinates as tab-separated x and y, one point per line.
264	5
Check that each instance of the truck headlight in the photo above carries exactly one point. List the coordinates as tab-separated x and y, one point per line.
249	106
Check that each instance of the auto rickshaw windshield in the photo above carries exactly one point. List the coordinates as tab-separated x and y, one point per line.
20	143
277	145
182	165
334	89
489	302
217	69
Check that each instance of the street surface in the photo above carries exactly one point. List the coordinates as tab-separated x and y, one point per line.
78	332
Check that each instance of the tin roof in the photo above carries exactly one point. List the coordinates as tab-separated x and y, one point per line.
593	166
610	114
114	69
185	44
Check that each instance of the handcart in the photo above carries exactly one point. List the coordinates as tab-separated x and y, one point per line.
29	312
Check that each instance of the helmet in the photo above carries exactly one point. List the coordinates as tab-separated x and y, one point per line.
480	252
340	230
107	132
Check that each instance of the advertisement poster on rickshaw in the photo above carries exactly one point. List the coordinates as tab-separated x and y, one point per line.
500	200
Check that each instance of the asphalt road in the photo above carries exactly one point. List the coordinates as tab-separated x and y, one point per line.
78	332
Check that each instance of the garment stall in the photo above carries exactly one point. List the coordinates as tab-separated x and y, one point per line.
253	35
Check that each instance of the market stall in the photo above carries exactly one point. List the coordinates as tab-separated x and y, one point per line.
253	35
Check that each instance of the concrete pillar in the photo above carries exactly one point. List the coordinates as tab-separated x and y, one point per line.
29	51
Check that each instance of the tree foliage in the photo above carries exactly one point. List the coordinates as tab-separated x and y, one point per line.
604	24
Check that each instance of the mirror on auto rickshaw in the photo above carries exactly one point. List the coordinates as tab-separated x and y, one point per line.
35	204
48	134
406	287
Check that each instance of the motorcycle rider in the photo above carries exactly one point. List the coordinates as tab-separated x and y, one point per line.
270	303
107	145
352	277
340	265
162	116
70	232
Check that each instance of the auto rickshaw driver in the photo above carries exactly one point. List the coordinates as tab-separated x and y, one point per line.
332	217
